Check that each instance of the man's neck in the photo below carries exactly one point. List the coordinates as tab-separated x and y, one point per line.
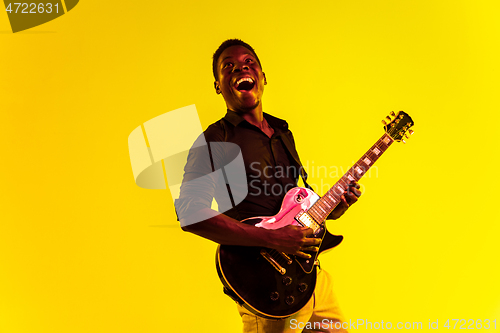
254	116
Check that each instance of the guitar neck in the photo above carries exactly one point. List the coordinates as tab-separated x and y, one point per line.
325	205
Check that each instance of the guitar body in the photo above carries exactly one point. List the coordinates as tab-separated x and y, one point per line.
272	284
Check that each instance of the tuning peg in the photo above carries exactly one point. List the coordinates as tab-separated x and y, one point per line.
388	119
406	136
411	132
403	141
384	122
393	114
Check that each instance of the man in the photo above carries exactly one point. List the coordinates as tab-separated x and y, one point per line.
263	142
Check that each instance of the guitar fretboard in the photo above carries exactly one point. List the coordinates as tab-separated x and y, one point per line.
325	205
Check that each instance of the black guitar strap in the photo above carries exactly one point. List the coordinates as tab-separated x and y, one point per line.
285	138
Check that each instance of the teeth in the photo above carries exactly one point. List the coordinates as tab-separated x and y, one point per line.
244	79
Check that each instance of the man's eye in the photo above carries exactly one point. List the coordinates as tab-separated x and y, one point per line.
227	64
249	60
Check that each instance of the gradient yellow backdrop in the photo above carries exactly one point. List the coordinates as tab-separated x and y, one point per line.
83	249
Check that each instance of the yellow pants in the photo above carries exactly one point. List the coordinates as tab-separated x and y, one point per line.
321	314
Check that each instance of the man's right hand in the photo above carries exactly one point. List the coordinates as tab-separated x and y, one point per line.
295	240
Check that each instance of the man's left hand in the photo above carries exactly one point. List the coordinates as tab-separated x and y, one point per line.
347	199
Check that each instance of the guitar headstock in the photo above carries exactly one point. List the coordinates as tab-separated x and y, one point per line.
398	127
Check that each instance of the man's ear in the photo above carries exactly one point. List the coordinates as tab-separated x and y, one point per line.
217	88
265	80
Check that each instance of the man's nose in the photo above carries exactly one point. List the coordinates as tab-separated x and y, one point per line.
240	67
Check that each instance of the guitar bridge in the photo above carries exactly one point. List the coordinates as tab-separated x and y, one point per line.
289	260
273	262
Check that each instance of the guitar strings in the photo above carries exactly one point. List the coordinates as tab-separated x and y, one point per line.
277	256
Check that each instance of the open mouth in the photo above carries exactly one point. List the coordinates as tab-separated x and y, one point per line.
245	84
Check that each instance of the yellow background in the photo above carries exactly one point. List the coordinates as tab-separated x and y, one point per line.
83	249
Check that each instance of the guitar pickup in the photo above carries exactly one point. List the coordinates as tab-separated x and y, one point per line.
307	221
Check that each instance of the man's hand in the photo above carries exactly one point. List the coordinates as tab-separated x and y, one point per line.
347	199
295	240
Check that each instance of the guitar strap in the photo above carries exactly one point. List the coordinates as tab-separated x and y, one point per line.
285	138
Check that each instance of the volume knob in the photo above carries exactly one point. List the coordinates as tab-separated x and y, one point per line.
289	300
274	296
287	280
302	287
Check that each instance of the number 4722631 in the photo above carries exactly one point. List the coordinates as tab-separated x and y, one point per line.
471	323
32	8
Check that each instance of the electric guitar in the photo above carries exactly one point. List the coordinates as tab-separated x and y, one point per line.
274	284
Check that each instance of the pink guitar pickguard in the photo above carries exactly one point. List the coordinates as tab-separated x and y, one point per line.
296	200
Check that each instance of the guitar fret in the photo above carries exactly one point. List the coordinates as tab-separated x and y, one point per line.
340	189
332	195
313	214
359	170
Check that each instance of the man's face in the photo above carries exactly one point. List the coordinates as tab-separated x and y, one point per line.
241	80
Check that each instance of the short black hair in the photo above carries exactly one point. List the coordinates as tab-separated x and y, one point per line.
225	45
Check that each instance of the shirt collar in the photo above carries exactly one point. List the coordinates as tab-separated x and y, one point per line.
276	123
234	118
